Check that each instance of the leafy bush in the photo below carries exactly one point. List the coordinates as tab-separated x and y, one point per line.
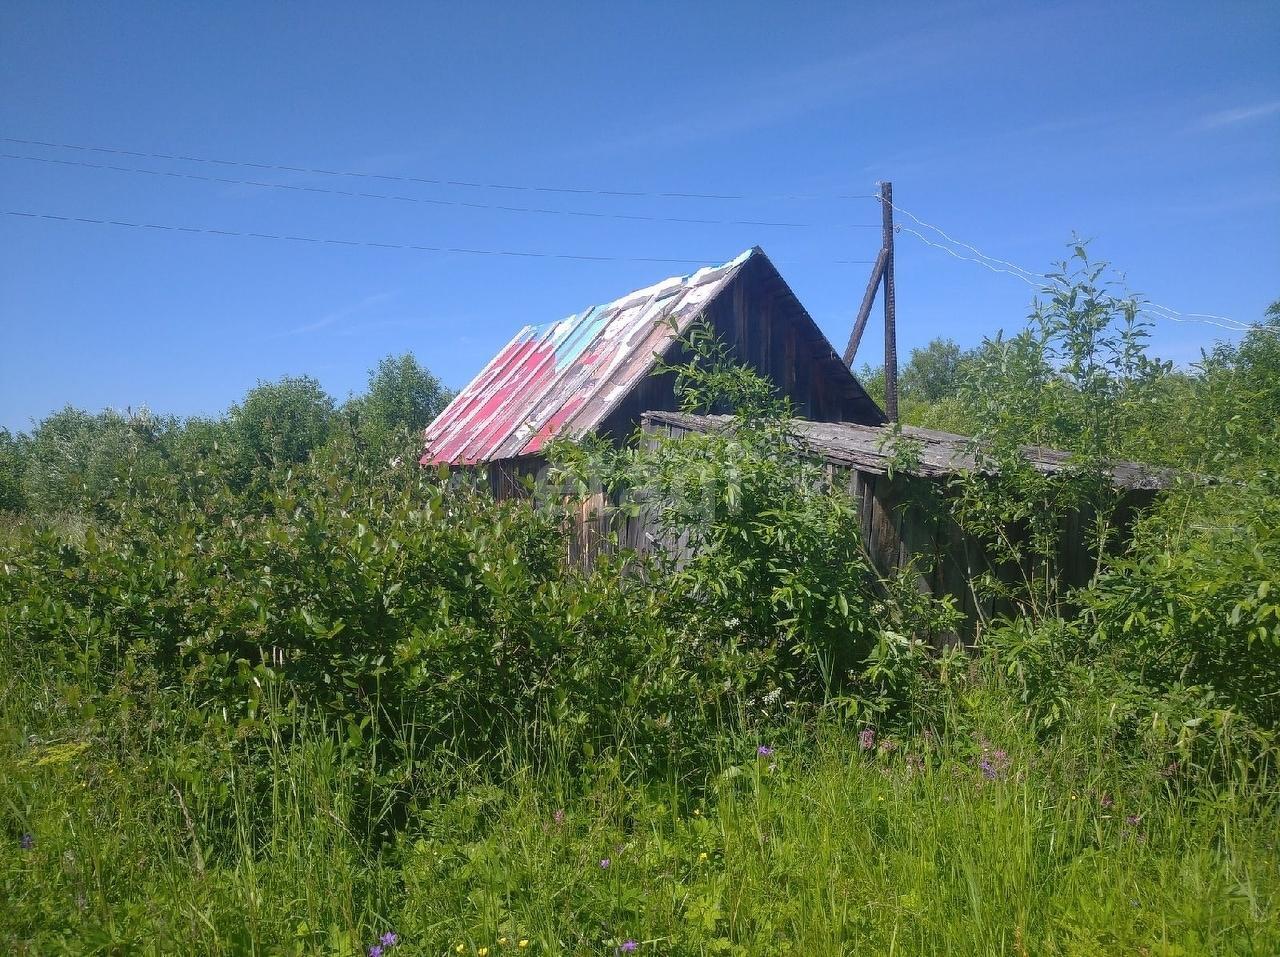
12	468
1196	605
764	564
403	396
281	422
78	462
1175	625
1073	380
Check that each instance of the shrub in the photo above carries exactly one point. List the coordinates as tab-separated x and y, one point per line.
12	468
75	461
403	397
1196	604
281	422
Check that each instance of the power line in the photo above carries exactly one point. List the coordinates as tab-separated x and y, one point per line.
1201	315
377	245
1041	281
1238	327
994	264
428	201
1017	270
981	262
430	181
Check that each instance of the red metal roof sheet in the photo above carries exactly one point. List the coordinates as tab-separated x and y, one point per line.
565	377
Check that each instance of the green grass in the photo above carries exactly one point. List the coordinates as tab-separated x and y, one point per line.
146	844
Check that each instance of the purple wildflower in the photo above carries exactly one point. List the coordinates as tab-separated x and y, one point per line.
764	751
604	863
1107	802
628	946
26	842
390	939
993	764
1133	820
375	950
867	739
558	817
915	763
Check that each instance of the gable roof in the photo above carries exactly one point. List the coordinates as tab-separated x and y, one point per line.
566	377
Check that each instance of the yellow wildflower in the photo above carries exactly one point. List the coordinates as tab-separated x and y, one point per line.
524	942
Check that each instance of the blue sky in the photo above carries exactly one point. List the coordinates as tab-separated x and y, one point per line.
1153	128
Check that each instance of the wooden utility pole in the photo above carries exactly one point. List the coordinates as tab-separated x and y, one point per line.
890	307
882	271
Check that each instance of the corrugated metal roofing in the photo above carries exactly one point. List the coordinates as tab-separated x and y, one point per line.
566	376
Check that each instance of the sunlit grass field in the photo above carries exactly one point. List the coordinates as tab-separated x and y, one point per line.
821	841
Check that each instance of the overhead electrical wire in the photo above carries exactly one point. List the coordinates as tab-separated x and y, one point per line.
522	254
1019	271
981	262
633	217
430	181
1032	278
1041	281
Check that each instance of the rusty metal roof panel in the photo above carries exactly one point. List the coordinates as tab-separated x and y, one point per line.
566	376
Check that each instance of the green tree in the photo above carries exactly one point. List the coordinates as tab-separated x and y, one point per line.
403	396
872	379
80	461
1240	391
281	421
12	467
928	385
933	373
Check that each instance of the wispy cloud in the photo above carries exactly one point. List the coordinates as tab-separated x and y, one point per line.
362	328
931	155
1238	114
785	96
735	108
1226	202
332	319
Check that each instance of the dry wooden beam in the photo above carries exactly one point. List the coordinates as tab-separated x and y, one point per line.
864	311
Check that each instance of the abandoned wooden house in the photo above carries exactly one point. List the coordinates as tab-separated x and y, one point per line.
593	373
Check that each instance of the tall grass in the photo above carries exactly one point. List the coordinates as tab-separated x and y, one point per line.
978	839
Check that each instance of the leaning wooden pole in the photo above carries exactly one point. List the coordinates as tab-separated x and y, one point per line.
890	316
864	311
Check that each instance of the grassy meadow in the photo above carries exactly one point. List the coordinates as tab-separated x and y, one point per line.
962	843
